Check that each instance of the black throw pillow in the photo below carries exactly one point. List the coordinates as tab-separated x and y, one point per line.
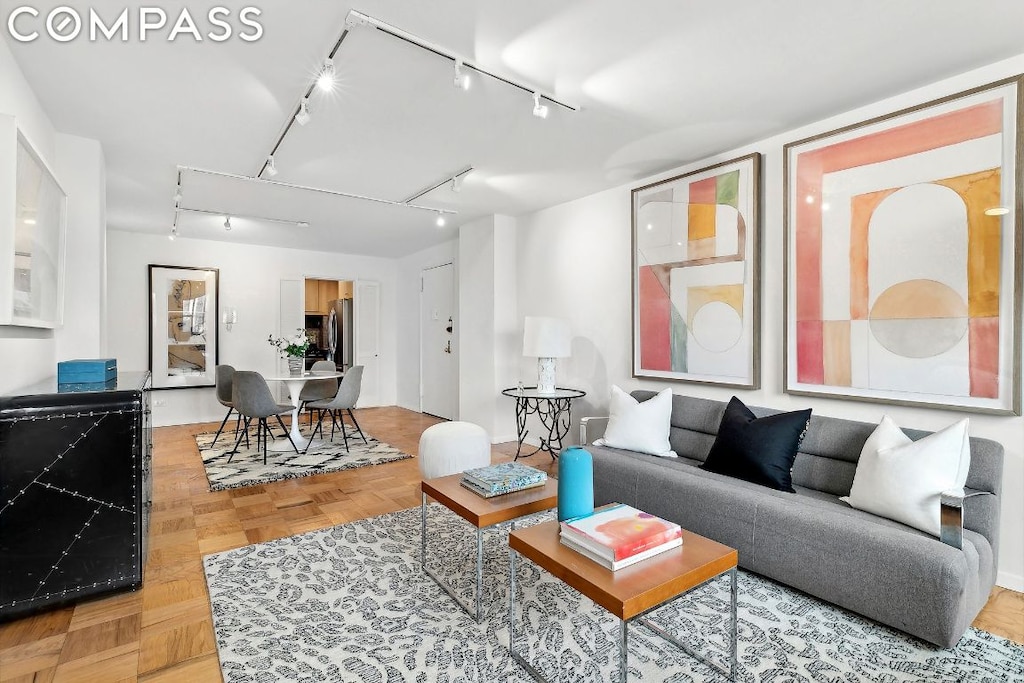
759	450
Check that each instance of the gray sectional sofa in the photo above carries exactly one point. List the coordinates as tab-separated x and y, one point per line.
811	540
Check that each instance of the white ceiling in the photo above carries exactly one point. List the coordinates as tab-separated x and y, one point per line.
659	83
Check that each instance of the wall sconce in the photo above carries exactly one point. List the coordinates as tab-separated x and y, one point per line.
229	318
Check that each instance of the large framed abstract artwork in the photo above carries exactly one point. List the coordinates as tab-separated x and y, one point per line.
696	276
903	256
183	326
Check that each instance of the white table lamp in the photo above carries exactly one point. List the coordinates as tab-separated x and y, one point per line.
546	339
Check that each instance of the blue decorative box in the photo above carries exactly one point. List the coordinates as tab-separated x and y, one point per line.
86	370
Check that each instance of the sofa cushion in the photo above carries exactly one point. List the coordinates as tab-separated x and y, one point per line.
758	450
903	479
641	426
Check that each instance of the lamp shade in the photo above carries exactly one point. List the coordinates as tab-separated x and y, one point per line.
546	338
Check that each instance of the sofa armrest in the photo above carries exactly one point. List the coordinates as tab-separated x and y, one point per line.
951	515
591	429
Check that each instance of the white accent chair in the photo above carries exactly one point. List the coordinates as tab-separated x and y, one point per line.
453	447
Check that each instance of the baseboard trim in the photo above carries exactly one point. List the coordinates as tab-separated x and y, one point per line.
506	438
1014	582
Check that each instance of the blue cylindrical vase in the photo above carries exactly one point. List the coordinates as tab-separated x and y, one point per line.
575	483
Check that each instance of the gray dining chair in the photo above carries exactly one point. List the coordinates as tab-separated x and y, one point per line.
223	378
319	389
344	401
252	399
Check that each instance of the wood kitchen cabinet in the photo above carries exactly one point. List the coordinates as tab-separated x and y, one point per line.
320	293
328	292
312	297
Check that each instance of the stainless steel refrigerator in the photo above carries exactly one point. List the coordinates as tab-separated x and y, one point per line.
339	333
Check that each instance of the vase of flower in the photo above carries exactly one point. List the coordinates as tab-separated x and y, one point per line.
294	347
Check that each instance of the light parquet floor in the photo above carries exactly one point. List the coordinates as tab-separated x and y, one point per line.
164	631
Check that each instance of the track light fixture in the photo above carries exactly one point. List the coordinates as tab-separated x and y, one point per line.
356	19
307	188
325	81
539	110
302	117
178	196
440	222
227	222
461	79
173	235
271	166
457	184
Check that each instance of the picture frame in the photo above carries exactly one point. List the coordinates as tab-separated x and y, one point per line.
33	213
696	276
903	255
183	332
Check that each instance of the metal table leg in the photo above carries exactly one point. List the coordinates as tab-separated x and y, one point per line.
623	634
478	613
731	673
623	651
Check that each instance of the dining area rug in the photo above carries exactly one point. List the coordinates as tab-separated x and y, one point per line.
351	603
247	469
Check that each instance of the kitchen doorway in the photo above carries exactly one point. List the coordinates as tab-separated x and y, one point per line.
329	321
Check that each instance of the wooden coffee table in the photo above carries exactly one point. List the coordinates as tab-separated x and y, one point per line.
480	512
628	593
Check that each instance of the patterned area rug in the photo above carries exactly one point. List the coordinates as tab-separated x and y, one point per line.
247	468
350	603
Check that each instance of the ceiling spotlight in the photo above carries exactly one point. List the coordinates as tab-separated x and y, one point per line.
440	220
539	110
271	166
302	224
177	196
325	81
302	118
174	233
997	211
29	221
461	79
227	222
457	184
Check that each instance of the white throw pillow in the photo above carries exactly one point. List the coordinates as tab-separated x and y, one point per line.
903	480
641	427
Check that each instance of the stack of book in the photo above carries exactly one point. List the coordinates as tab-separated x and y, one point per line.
618	535
507	477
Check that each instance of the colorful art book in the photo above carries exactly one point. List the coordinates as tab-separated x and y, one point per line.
504	477
619	531
615	565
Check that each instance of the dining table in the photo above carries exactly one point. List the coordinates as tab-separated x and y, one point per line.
295	382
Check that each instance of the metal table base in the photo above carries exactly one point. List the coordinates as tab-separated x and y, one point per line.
477	614
622	638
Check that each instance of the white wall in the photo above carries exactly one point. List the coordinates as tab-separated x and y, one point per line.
28	355
409	274
575	263
82	171
250	279
487	308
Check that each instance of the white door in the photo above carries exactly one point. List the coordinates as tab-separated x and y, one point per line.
437	339
366	300
291	316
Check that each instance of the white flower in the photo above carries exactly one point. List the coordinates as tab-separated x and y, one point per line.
298	340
